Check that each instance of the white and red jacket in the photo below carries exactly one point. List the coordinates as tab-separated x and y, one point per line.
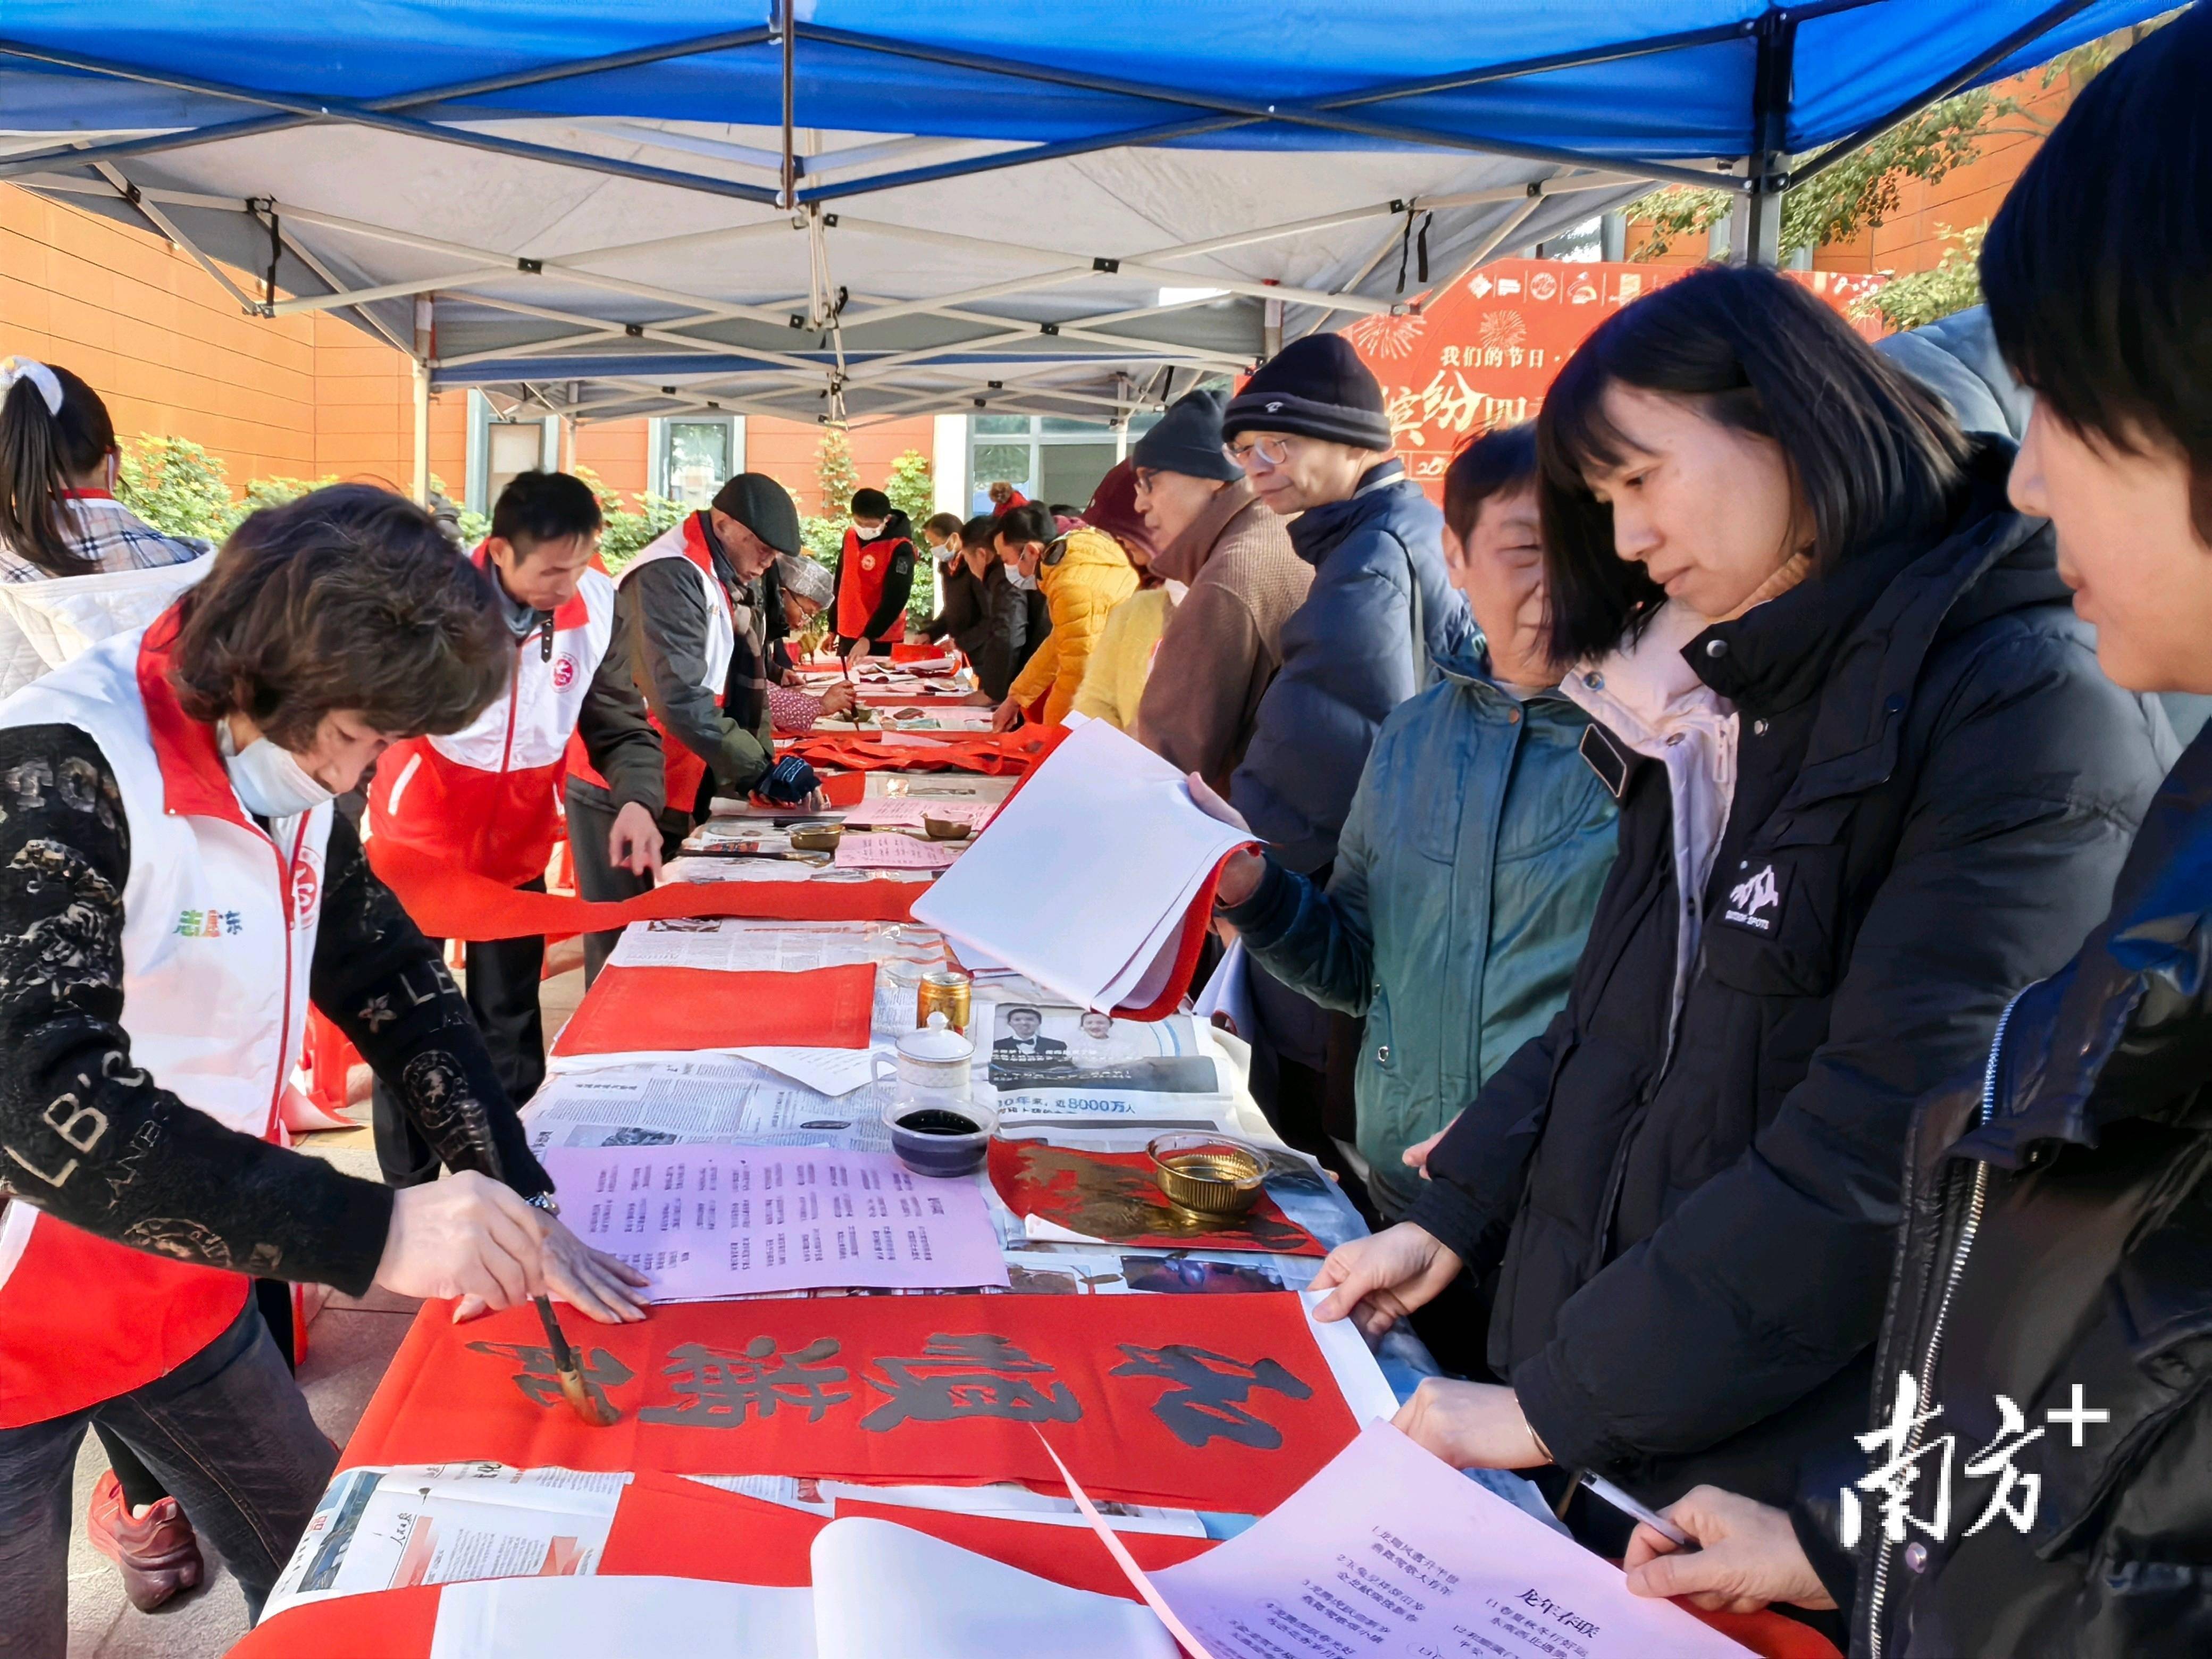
219	926
684	768
486	798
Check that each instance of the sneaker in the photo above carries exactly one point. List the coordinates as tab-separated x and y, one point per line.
156	1550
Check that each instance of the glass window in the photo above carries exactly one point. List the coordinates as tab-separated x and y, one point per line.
1002	424
1058	423
1007	462
698	460
1072	472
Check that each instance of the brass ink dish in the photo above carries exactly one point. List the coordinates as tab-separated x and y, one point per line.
1207	1175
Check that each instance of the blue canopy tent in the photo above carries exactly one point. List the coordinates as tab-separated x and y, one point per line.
849	209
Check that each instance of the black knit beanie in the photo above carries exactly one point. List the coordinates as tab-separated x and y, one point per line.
764	507
1315	387
1187	439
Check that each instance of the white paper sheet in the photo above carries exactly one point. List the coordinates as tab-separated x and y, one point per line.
887	1592
378	1529
829	1072
1108	831
622	1619
1395	1553
705	1222
907	812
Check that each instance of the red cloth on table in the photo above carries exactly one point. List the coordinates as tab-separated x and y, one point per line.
1066	1555
993	753
1201	1401
447	901
644	1008
1067	1187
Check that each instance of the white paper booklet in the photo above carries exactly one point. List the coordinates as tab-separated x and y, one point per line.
1084	879
880	1591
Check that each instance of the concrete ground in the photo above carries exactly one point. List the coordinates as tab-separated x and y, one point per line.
350	1344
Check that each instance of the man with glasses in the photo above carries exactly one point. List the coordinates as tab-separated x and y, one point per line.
1309	435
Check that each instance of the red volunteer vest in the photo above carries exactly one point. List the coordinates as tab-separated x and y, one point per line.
486	798
684	770
218	933
862	569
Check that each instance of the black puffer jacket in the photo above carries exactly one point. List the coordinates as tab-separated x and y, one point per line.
1702	1221
987	618
2063	1247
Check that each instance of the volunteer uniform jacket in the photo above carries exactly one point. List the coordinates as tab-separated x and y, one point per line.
159	948
874	581
678	625
486	798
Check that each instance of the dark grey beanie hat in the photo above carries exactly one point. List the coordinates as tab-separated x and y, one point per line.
1315	387
1187	439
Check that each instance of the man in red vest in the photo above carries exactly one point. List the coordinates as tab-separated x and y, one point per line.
691	633
487	799
875	575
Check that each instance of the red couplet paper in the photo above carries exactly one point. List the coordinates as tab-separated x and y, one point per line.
447	901
1112	1195
996	753
630	1009
1209	1402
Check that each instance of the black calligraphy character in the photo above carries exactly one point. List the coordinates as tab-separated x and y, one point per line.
540	1381
1209	1389
724	1390
963	1376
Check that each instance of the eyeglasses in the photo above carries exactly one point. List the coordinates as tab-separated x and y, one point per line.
1275	452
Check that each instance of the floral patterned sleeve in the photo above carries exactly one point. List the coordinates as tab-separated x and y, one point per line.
85	1134
795	712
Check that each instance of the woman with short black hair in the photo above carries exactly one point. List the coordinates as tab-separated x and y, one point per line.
175	890
1871	783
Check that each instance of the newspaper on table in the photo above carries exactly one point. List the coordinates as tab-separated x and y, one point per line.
1108	831
1045	1048
737	945
697	1100
438	1524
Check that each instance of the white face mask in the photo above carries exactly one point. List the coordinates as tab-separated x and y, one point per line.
866	534
269	778
1027	584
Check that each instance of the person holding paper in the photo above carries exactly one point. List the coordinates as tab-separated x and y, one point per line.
1871	783
1083	574
2054	1258
1471	859
175	891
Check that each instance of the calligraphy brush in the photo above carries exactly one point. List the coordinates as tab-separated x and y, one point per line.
598	1412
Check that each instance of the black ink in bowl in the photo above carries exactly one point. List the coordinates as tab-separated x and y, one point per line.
936	1140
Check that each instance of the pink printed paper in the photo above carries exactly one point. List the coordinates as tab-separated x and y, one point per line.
708	1221
895	852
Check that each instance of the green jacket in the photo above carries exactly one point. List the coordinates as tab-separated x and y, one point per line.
1465	877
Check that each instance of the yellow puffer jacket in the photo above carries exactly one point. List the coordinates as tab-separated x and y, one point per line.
1091	577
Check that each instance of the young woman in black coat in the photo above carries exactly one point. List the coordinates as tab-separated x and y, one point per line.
1871	784
2051	1312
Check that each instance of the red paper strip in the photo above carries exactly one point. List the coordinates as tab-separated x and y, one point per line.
449	903
1112	1195
395	1624
667	1526
1210	1403
643	1008
1065	1555
995	753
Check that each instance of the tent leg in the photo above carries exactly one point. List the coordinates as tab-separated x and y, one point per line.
1756	234
422	485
